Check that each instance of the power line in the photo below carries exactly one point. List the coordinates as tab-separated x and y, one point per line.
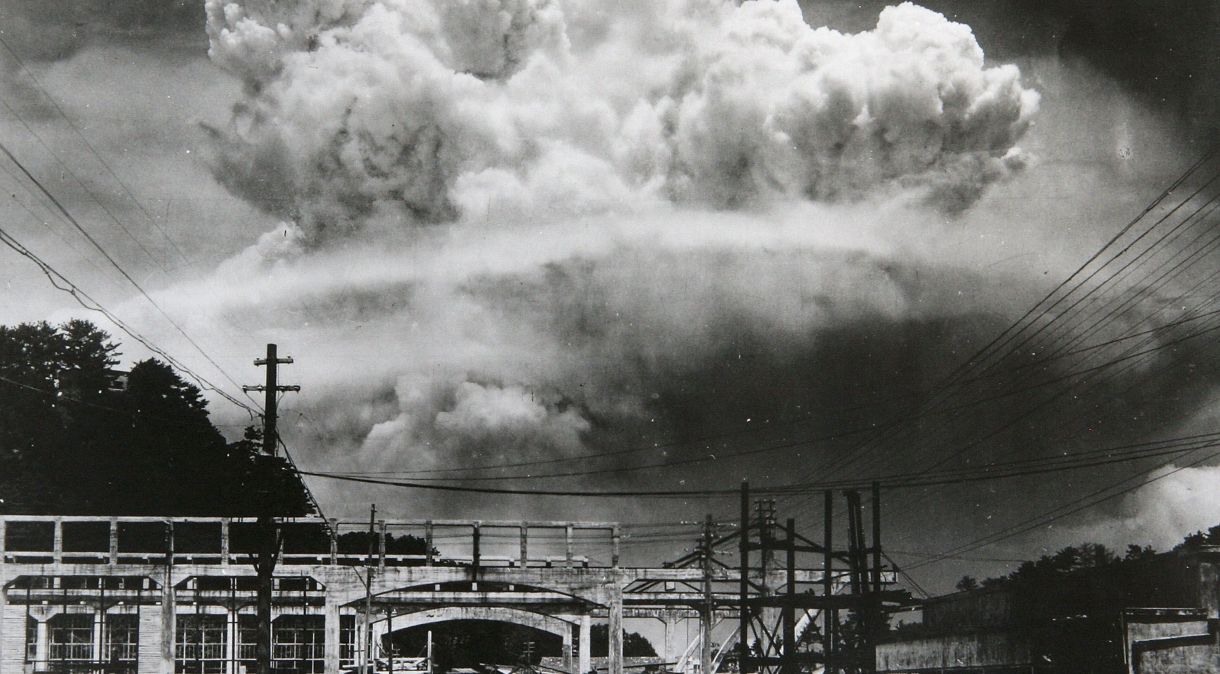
679	493
1047	518
414	474
897	422
1131	353
127	190
1054	462
85	188
1024	323
1173	446
45	223
787	445
62	283
115	264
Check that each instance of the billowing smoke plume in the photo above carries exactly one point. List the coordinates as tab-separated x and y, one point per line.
415	112
1176	502
42	32
686	229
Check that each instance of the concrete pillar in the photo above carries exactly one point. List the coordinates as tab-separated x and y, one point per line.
475	552
616	629
667	649
224	542
148	657
42	645
5	649
334	541
362	639
114	541
705	645
567	650
98	619
380	628
12	650
381	544
57	541
586	644
330	634
231	641
169	621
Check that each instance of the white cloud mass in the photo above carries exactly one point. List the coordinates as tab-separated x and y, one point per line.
554	221
418	111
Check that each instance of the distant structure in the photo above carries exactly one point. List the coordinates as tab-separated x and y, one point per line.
1155	616
148	595
156	595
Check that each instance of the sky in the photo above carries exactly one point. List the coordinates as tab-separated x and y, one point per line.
642	246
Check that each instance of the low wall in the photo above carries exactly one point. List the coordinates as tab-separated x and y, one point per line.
1170	641
984	650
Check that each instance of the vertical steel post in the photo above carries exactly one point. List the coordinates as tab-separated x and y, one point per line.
876	536
705	613
876	617
743	625
788	656
828	578
853	541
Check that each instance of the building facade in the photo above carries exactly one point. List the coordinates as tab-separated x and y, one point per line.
1158	615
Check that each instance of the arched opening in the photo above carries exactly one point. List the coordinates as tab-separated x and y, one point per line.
475	644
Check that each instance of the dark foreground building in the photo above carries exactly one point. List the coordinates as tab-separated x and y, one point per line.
1155	615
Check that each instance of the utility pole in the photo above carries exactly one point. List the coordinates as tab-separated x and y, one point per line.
269	538
706	615
743	626
370	660
788	657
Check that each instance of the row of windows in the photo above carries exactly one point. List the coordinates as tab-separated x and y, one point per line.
201	643
70	638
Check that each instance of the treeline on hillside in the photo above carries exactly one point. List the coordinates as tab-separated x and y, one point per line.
79	437
1077	558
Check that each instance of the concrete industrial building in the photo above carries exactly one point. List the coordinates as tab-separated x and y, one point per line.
1159	615
151	595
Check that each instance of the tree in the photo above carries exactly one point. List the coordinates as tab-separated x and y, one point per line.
1137	553
1200	538
1068	560
967	583
52	380
635	645
75	440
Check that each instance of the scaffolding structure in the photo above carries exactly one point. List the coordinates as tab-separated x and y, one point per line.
831	621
